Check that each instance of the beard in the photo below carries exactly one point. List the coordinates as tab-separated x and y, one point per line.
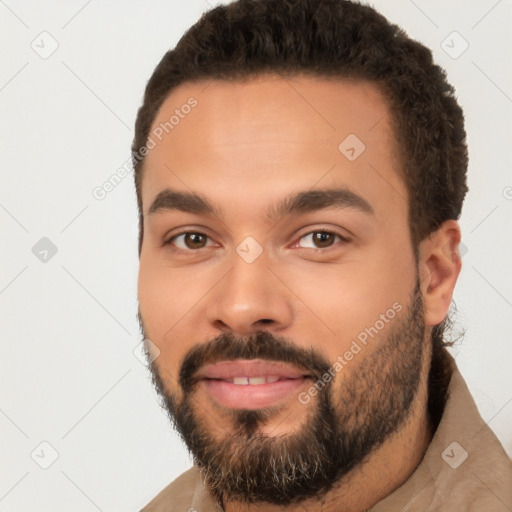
339	430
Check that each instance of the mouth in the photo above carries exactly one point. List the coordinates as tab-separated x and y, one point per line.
253	381
251	384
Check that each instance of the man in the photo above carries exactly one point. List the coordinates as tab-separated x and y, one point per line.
300	166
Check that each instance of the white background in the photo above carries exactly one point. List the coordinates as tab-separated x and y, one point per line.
68	375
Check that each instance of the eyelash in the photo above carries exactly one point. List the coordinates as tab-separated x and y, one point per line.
342	238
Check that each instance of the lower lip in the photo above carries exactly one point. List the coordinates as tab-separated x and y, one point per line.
251	396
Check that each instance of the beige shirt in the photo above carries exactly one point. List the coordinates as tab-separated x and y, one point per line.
464	469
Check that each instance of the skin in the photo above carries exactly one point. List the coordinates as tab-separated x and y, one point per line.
245	146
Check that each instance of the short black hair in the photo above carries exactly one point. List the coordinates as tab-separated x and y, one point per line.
330	38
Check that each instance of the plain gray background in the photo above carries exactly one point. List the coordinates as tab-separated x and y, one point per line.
70	376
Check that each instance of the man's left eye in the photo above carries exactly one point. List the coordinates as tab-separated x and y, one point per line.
320	239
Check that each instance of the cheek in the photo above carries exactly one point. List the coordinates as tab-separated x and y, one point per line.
344	300
157	297
167	293
165	297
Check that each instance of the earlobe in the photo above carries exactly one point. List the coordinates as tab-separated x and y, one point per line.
440	265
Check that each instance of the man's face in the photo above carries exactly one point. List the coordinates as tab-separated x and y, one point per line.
301	295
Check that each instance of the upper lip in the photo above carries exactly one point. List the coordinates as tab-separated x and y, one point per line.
249	368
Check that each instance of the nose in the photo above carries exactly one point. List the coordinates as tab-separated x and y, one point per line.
249	298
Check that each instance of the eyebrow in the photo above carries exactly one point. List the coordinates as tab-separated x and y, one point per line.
301	202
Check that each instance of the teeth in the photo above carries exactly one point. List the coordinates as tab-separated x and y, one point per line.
257	380
264	379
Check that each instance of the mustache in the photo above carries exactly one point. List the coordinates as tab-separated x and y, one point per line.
260	345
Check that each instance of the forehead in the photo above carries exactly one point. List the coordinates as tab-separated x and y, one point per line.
271	134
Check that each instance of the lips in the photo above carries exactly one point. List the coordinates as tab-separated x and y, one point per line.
251	369
251	384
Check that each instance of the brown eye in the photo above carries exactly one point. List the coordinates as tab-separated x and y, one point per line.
195	240
323	239
188	240
320	240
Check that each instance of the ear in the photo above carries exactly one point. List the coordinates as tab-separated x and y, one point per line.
439	267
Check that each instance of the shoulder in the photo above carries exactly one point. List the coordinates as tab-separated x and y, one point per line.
468	464
178	495
464	468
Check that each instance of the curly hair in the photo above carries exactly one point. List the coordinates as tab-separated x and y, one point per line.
332	39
